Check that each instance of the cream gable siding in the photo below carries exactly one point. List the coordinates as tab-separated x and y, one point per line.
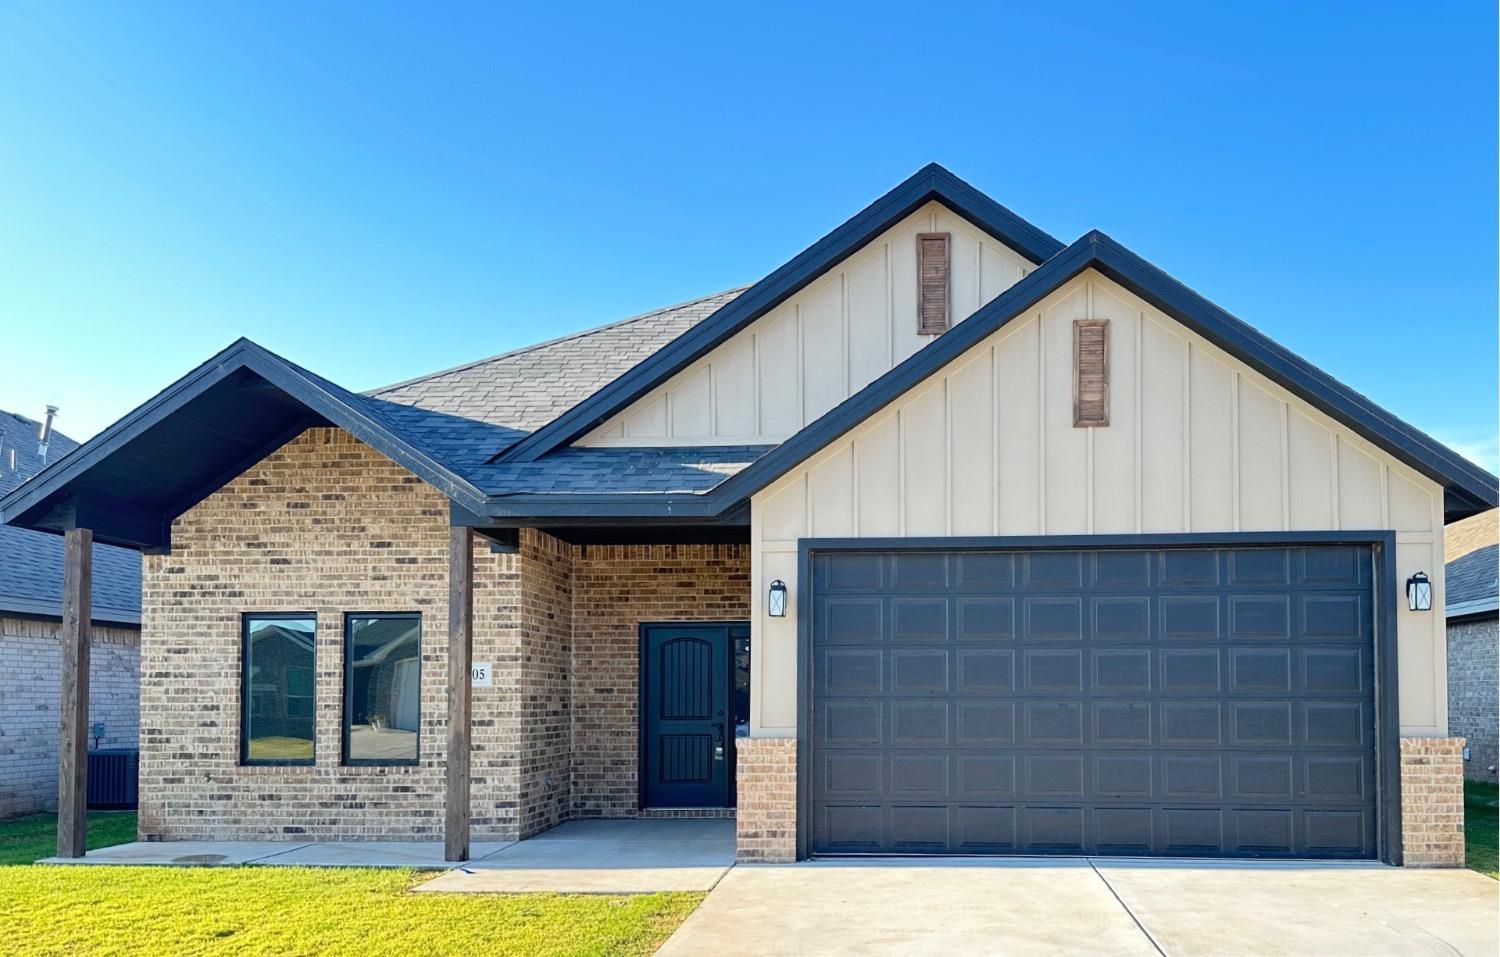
1197	442
836	336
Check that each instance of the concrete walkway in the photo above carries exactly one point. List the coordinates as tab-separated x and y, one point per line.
1082	906
604	857
584	857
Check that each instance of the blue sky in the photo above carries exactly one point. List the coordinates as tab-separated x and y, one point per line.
379	190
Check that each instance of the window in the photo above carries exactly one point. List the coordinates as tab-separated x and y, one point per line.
382	688
277	685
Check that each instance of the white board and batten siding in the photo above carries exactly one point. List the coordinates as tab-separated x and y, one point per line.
1197	442
822	345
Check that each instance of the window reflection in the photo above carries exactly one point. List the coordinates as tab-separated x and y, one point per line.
382	681
278	689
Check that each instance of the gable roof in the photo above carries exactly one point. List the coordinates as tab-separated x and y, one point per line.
1468	487
465	430
931	182
31	563
130	480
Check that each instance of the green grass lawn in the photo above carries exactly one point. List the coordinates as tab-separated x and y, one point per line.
1481	831
363	912
27	839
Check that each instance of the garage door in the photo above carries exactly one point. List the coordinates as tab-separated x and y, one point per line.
1215	702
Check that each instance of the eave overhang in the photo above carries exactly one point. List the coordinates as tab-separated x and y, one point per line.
129	482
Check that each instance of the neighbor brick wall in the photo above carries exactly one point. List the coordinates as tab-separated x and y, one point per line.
29	701
766	819
1432	802
323	525
1472	683
615	589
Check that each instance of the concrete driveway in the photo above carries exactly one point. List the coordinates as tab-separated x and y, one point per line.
1080	906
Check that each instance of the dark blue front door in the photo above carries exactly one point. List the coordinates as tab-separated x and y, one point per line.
688	751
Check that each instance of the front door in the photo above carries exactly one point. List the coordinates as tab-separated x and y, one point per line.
688	714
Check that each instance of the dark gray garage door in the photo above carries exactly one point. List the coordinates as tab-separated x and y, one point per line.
1186	702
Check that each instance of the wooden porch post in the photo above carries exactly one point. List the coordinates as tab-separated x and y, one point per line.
73	677
460	658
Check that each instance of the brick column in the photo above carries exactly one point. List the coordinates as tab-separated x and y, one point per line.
766	818
1432	802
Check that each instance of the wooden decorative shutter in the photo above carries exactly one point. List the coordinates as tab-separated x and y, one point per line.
1090	372
932	283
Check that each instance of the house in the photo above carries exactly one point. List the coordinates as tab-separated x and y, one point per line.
31	585
945	537
1473	608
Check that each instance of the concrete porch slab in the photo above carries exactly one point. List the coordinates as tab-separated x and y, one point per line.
604	857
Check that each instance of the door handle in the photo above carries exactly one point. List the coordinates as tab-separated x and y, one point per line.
718	727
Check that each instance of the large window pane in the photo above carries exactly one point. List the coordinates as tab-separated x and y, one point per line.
382	688
278	690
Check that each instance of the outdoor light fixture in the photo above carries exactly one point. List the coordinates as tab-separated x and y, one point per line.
1419	592
776	603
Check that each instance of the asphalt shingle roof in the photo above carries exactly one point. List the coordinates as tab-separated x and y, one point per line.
31	563
522	390
1474	577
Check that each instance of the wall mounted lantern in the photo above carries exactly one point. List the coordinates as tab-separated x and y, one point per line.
1419	592
776	602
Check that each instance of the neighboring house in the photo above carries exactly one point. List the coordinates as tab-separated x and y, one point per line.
31	573
990	544
1473	607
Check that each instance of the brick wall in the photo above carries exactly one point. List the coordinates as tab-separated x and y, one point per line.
326	525
1432	802
766	819
545	716
29	701
323	525
615	589
1472	681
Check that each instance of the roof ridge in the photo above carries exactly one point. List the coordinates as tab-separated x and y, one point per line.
375	393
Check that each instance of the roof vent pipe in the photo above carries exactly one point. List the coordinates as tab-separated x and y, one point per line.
44	434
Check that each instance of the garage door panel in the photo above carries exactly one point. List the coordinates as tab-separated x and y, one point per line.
988	570
982	671
1122	724
919	619
1139	701
1125	618
986	619
919	671
982	829
985	722
845	775
986	775
851	621
1117	670
1052	670
850	671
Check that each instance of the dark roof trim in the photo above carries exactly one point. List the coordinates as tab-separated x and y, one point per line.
1471	609
1466	484
308	389
932	182
30	607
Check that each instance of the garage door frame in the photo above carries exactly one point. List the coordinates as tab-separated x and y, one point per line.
1382	545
